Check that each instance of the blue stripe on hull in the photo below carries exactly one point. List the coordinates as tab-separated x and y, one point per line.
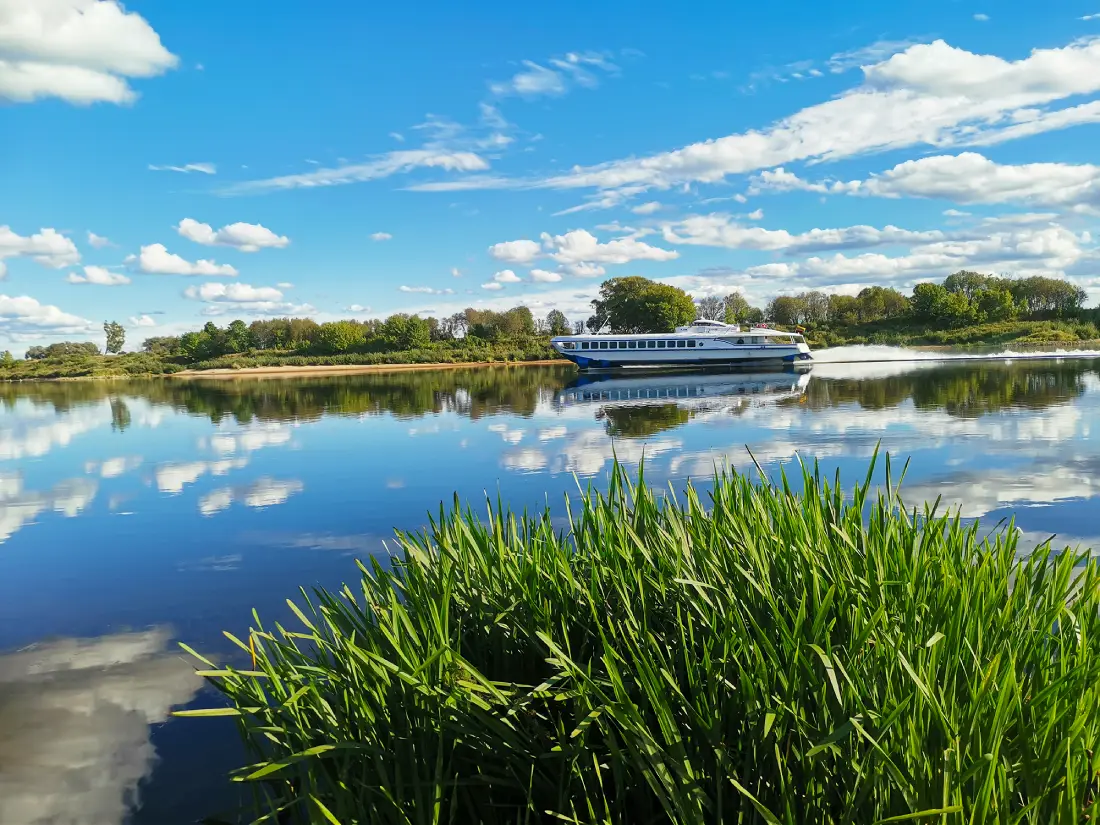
586	363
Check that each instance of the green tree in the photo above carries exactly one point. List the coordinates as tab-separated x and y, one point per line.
637	305
994	304
237	337
843	309
711	307
164	345
557	323
786	310
404	332
35	353
735	308
116	336
340	336
6	359
927	300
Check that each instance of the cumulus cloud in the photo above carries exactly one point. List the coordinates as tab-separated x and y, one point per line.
47	246
357	308
247	237
965	178
19	507
174	476
926	94
381	236
425	290
722	230
646	208
76	716
544	276
264	492
516	252
101	276
142	321
82	51
381	166
506	276
187	168
244	298
155	259
24	315
556	78
97	241
492	286
580	246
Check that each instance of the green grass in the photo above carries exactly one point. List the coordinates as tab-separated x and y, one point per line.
902	332
767	655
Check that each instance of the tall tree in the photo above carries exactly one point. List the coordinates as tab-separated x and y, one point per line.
711	307
557	323
116	336
635	304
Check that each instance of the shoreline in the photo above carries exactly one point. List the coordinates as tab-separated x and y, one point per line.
350	369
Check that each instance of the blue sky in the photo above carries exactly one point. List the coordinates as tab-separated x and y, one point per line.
164	163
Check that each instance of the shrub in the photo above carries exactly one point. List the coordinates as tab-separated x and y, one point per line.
776	656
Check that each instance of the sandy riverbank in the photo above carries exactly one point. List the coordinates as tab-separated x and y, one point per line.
352	369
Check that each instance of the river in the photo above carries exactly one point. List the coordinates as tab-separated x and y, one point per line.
133	515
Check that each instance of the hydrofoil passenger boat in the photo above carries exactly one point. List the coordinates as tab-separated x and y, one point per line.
703	343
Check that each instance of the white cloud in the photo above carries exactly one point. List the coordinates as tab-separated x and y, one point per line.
756	215
236	293
97	241
247	237
506	276
536	80
381	236
718	229
113	467
187	168
543	276
585	270
426	290
173	477
516	252
77	717
81	51
21	315
981	18
358	308
222	299
47	246
382	166
142	321
250	439
492	285
264	492
285	285
456	272
646	208
101	276
932	94
955	213
965	178
156	259
1091	17
581	246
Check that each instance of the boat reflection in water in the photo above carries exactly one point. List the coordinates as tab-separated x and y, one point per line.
639	406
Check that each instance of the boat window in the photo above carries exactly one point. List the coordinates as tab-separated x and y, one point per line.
568	345
681	344
603	344
652	344
584	345
691	343
799	339
740	340
631	344
660	345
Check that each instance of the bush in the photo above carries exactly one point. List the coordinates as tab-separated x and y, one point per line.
775	657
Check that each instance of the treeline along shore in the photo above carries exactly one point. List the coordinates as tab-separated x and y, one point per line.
967	308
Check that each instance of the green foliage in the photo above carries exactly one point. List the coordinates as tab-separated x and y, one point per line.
340	336
557	323
774	656
636	305
405	332
164	345
116	336
6	359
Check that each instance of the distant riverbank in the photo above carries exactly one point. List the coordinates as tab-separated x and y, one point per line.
352	369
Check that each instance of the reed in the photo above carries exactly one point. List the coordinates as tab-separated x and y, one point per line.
785	652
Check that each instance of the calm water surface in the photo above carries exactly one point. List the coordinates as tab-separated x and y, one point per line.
133	515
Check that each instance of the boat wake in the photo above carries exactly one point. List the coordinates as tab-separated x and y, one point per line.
869	354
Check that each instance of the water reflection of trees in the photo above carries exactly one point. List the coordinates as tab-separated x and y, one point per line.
962	389
967	390
642	421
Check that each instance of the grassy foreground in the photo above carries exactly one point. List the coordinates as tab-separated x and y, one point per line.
767	656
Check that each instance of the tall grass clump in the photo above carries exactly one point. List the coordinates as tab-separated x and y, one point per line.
772	654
